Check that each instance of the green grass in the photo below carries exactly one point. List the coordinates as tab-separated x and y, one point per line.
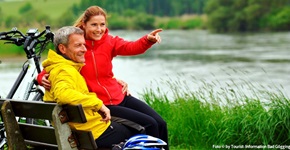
204	119
52	8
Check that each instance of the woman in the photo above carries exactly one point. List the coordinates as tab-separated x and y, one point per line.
101	49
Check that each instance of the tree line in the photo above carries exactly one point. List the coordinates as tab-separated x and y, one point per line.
214	15
248	15
153	7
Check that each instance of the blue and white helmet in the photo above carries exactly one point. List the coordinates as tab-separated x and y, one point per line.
144	142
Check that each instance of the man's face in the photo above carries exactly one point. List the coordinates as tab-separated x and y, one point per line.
75	49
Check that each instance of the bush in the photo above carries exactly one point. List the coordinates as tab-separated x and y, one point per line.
33	17
25	8
280	20
116	22
218	21
10	22
171	24
192	23
66	19
252	17
144	22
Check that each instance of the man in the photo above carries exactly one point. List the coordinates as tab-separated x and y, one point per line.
69	87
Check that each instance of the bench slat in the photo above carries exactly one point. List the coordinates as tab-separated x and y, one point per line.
75	113
35	135
41	146
85	139
28	109
31	109
42	134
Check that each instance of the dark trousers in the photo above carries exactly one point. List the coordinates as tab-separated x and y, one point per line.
139	112
114	134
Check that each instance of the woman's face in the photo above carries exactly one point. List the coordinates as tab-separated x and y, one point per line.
95	27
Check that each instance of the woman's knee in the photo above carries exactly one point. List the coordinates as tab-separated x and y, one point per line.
162	123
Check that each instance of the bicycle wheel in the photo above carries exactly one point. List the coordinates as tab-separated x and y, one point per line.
3	142
38	96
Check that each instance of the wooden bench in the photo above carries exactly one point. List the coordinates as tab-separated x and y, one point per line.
60	136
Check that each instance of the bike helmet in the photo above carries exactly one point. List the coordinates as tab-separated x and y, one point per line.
144	142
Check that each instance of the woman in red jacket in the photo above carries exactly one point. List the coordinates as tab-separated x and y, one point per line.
101	49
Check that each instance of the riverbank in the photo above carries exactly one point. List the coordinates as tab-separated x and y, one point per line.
196	121
12	58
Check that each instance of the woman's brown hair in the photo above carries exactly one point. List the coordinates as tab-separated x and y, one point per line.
89	12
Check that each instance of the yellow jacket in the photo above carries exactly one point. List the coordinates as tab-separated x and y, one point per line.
69	87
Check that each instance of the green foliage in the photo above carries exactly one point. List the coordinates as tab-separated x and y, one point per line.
67	18
33	17
152	7
41	12
1	18
10	21
143	21
218	20
171	24
252	17
117	22
9	49
280	20
247	15
204	118
222	15
25	8
192	23
129	13
179	23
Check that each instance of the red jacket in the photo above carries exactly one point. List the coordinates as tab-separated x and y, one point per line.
98	69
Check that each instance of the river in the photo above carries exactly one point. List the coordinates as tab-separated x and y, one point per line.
195	58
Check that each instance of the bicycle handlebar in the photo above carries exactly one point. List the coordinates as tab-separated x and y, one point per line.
32	37
30	40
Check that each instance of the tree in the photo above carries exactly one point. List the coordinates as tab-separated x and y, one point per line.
280	20
25	8
247	15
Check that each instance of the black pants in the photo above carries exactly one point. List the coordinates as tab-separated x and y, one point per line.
114	134
138	111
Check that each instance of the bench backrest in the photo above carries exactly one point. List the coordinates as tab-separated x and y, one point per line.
60	136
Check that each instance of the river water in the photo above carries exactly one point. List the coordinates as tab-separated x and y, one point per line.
198	61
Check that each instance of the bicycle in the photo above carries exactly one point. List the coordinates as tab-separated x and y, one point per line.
26	86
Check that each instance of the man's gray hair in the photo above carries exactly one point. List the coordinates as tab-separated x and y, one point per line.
62	36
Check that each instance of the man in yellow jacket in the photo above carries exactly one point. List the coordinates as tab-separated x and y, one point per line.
69	87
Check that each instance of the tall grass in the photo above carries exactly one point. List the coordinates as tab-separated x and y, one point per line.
206	119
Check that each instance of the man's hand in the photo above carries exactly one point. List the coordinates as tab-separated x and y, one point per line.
105	113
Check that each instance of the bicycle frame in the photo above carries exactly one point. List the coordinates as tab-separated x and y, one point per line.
25	83
23	86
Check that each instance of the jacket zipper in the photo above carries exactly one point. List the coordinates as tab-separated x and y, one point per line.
95	67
